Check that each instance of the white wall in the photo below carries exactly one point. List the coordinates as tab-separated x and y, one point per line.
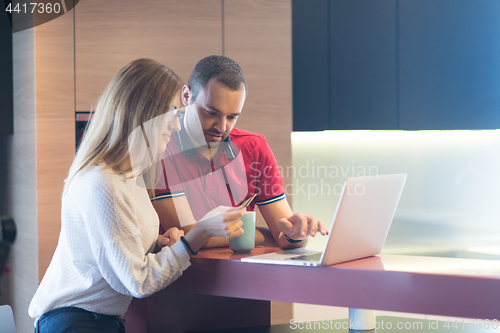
452	193
450	201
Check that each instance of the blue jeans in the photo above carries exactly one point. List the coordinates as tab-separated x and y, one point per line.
76	320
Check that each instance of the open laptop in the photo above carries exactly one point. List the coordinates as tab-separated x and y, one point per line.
360	225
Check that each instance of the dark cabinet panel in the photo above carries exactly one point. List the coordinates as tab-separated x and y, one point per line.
6	76
363	64
396	64
449	64
344	64
310	62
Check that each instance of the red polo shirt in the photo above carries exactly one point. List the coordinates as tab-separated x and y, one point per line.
244	167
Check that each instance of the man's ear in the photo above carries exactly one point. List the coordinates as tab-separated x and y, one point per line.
186	95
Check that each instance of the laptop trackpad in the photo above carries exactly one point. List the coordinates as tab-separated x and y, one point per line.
284	257
316	256
296	253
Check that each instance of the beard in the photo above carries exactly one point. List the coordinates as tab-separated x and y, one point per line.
210	141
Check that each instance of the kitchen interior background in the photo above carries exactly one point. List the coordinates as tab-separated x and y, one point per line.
451	198
382	67
449	206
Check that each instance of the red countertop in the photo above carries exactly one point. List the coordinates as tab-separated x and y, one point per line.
430	285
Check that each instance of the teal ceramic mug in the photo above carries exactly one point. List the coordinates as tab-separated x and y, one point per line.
245	242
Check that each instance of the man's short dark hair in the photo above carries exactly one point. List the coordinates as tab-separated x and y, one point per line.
223	69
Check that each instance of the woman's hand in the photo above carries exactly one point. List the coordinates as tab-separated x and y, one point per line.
169	238
227	224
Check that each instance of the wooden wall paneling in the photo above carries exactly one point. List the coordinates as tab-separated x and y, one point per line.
55	126
111	33
257	35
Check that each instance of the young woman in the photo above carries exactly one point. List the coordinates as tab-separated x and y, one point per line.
109	249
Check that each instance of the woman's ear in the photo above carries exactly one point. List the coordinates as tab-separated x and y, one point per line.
186	95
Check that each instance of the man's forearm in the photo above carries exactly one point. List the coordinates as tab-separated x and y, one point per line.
264	237
216	242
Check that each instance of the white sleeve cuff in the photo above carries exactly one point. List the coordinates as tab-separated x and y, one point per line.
181	254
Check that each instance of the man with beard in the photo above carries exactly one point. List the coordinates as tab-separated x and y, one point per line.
209	163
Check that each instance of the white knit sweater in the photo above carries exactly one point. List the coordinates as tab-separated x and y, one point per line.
103	258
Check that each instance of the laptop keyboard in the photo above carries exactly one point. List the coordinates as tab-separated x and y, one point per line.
309	257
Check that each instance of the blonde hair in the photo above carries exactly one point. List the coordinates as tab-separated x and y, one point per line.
139	92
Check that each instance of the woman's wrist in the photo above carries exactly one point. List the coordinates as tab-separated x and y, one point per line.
196	237
188	247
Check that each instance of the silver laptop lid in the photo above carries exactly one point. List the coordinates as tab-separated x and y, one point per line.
360	225
363	217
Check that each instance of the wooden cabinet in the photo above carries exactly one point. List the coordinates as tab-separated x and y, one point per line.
111	33
257	35
40	153
65	64
55	127
396	64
